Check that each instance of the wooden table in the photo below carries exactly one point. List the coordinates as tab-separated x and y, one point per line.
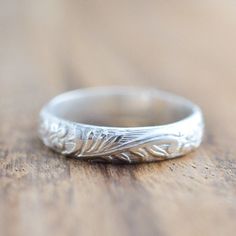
186	47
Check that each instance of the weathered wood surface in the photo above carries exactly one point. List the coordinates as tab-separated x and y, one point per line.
47	47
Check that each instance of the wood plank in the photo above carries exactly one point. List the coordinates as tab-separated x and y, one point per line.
47	47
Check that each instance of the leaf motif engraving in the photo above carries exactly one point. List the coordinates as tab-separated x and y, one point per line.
95	142
99	144
151	151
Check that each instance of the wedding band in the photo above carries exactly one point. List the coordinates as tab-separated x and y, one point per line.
119	124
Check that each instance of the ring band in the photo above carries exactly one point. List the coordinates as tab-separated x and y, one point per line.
117	124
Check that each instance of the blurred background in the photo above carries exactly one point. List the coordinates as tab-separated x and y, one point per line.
47	47
186	47
160	43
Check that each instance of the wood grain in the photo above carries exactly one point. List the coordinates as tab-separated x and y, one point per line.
47	47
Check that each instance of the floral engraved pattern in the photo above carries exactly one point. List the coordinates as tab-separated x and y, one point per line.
58	136
107	145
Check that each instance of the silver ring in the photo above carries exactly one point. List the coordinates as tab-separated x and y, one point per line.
117	124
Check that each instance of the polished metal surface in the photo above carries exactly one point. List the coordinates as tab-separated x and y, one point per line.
119	124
